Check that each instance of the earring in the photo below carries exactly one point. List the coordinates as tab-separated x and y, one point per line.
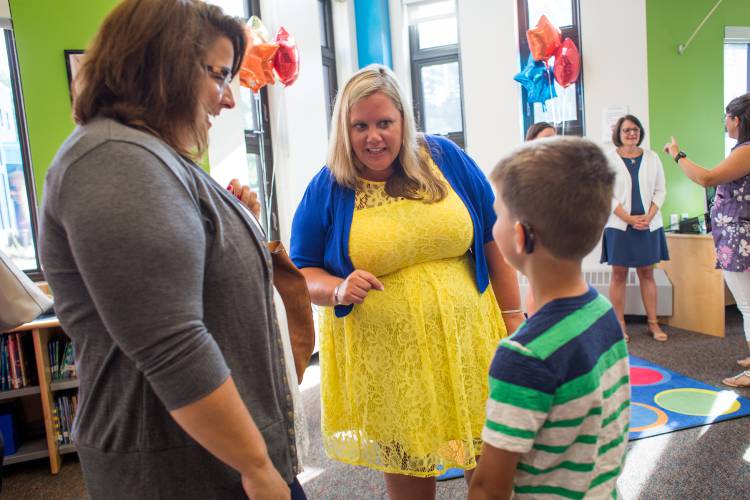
528	238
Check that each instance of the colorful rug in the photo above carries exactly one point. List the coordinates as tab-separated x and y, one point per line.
664	401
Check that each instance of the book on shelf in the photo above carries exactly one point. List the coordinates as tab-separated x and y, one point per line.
63	415
12	361
15	372
56	424
61	357
22	361
3	364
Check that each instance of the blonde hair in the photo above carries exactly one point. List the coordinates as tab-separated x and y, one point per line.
414	179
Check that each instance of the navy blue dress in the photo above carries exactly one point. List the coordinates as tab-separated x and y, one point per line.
633	247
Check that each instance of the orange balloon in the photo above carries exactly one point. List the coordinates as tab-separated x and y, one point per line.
544	39
256	70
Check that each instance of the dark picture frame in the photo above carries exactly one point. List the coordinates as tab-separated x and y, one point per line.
72	64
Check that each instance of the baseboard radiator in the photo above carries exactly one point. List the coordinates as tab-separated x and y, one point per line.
599	279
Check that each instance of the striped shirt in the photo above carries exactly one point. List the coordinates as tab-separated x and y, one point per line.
560	396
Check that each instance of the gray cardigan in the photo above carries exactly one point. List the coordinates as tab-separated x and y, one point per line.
164	286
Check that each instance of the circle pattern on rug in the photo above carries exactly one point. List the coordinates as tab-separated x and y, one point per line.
644	417
641	375
698	402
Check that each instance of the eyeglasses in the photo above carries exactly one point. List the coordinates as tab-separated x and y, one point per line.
631	130
222	76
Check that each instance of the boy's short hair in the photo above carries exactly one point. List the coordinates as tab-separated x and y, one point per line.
562	188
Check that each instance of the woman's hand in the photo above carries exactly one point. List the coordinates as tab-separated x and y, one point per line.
266	484
672	148
246	195
640	222
355	287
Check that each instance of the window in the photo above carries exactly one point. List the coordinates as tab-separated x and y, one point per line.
436	68
736	77
237	8
259	171
17	201
567	109
330	81
258	148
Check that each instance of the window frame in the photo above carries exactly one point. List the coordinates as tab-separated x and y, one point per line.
434	56
328	53
261	138
23	140
578	126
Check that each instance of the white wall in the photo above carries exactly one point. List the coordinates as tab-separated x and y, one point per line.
614	61
4	9
615	69
489	59
226	139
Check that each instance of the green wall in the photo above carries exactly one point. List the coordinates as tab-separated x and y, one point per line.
686	92
43	29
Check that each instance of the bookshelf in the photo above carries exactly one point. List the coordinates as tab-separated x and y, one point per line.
45	445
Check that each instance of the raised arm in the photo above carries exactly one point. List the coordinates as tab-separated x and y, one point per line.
736	165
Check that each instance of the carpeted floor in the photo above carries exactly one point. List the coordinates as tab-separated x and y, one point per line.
700	463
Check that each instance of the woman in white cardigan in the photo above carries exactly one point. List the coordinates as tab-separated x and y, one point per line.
634	234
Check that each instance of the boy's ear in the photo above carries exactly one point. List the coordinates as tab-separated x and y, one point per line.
519	238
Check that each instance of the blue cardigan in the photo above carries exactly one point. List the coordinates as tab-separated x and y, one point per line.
321	225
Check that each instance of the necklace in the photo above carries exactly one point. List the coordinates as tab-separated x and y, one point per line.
632	160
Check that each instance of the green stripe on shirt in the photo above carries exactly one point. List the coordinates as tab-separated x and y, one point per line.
582	439
573	422
510	431
604	477
614	416
589	382
567	465
519	396
570	327
548	490
615	442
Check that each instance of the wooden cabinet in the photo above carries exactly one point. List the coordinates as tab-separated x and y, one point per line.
699	293
46	444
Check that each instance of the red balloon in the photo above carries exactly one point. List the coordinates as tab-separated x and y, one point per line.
544	39
567	63
286	60
256	70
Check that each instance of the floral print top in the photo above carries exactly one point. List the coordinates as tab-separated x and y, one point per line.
730	217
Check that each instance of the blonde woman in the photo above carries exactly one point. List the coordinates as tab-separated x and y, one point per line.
394	237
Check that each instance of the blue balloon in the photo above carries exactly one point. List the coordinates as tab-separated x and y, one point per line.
538	80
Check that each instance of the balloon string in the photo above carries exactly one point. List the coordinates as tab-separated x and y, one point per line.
268	190
551	92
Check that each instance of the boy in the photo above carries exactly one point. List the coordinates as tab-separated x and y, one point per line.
558	412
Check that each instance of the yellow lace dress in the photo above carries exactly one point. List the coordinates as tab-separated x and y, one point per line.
404	375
